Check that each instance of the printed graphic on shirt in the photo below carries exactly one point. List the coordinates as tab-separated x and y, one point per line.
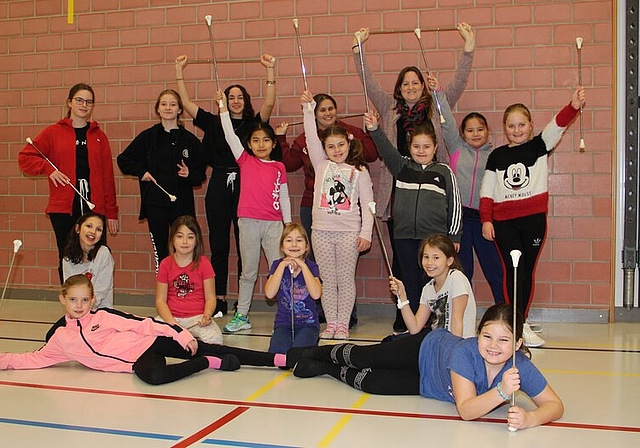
183	285
516	176
338	189
440	310
301	313
275	194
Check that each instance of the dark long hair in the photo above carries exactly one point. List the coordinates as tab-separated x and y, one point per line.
397	90
73	250
444	244
276	152
503	313
247	112
356	150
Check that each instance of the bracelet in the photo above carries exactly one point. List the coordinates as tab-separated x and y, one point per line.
179	79
354	47
271	83
502	394
401	304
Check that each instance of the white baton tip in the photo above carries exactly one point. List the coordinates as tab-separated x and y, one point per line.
16	245
208	18
579	42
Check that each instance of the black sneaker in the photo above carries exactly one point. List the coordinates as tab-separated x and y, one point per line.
353	321
221	307
399	326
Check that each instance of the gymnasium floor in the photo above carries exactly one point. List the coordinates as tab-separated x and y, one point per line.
595	368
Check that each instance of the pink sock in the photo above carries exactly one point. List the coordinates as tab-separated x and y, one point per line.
279	360
214	362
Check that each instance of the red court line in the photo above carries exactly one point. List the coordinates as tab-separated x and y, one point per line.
204	432
350	411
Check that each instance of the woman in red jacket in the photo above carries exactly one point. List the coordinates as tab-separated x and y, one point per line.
80	150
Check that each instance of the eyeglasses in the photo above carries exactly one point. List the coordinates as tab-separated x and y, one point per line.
80	101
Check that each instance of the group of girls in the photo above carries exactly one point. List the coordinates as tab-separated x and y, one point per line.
511	206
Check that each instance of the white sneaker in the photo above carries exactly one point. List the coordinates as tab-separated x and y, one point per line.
530	338
534	327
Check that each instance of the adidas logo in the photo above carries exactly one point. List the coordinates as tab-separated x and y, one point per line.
536	242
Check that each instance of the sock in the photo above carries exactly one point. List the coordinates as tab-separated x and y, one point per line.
279	360
214	362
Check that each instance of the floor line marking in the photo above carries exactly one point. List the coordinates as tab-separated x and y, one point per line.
204	432
93	429
370	412
344	420
231	415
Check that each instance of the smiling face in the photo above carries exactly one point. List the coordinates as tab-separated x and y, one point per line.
89	233
168	107
261	144
326	114
518	128
495	343
422	149
475	133
235	102
411	88
81	105
435	263
294	245
77	301
337	148
184	241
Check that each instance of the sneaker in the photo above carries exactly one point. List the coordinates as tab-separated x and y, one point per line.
534	327
530	338
238	322
329	331
399	326
342	331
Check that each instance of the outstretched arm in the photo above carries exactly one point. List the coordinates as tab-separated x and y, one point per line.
191	107
269	62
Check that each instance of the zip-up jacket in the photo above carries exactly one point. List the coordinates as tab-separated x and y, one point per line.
58	143
426	200
106	339
466	162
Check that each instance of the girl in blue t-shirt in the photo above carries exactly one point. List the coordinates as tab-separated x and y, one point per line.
475	374
294	281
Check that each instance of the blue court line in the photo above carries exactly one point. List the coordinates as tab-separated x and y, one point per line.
144	435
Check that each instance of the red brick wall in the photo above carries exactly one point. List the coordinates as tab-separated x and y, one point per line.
525	53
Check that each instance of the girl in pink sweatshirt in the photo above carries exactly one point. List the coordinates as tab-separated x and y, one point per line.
114	341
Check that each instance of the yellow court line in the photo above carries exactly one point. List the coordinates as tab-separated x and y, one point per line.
587	372
267	386
333	432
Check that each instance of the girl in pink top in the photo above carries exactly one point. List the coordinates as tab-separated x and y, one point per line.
185	290
341	230
262	208
113	341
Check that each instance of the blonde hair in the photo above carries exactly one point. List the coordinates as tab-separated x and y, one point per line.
291	227
76	280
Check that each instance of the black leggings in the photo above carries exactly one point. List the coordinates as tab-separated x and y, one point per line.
152	367
389	368
526	234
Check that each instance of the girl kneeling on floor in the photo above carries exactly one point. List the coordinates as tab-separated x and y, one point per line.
294	281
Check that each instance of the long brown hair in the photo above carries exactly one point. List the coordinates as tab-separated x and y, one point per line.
75	89
192	224
174	94
356	150
444	244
